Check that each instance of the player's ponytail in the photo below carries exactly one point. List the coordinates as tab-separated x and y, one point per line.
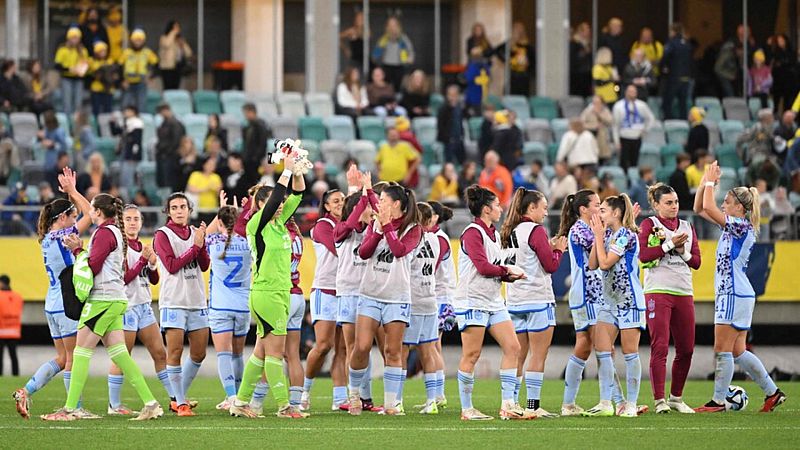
520	202
749	198
445	213
571	209
425	214
350	204
477	197
408	205
622	203
49	214
227	216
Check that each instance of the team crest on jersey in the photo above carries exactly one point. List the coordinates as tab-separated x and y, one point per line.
651	305
386	256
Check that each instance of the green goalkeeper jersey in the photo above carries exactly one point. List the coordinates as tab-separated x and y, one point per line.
271	247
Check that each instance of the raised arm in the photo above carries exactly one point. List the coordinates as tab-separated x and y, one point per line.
710	207
67	185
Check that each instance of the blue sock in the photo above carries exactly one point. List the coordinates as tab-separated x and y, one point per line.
307	384
261	390
366	381
189	370
392	379
43	375
633	375
402	385
430	386
440	383
67	379
722	376
115	389
294	395
163	377
517	387
605	373
225	369
339	394
357	381
533	385
508	381
755	369
237	360
176	380
466	382
572	379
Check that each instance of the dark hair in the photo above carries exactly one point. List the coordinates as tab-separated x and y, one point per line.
700	153
50	120
643	170
162	107
656	191
170	25
133	108
5	280
424	213
378	187
622	203
322	209
408	204
216	118
235	155
478	197
676	28
249	107
445	213
176	196
522	199
350	204
227	216
49	214
571	210
112	207
260	193
681	157
7	64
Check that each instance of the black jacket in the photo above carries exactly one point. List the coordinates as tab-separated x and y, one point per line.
169	138
677	60
444	121
681	186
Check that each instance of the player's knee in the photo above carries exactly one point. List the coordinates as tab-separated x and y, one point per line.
512	350
471	357
62	361
394	355
324	346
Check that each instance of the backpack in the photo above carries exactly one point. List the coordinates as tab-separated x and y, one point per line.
76	283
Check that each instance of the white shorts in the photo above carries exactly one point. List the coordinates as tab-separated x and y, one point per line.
138	317
734	311
622	318
60	325
422	329
384	313
477	318
185	319
222	321
297	309
533	318
348	309
323	306
585	316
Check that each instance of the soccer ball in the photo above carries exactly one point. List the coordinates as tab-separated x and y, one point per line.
735	399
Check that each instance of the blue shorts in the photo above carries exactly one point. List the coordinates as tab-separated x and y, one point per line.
622	318
422	329
734	311
384	313
297	309
533	318
185	319
348	309
447	317
138	317
235	322
585	316
478	318
60	325
323	306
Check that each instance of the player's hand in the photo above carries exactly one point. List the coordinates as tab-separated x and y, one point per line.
514	273
200	235
559	243
72	241
67	181
384	217
680	239
599	230
288	162
354	177
636	210
366	180
223	198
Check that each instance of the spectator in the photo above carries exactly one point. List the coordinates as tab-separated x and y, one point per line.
93	30
467	177
131	147
38	87
149	219
767	170
215	130
444	188
653	50
607	187
52	138
394	52
532	177
104	73
94	179
11	305
116	32
605	77
695	172
9	155
522	59
784	133
46	193
611	38
639	73
351	40
72	60
698	133
580	61
18	223
389	107
676	68
137	61
756	143
397	160
188	162
487	129
214	150
632	119
235	183
507	139
404	132
416	95
728	64
169	136
578	147
638	189
254	136
477	77
477	39
597	119
679	183
378	89
351	96
62	161
450	127
496	178
782	210
760	80
174	54
83	136
783	60
206	184
562	185
13	93
321	174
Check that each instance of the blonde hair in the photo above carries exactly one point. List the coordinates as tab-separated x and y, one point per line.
749	198
622	203
603	57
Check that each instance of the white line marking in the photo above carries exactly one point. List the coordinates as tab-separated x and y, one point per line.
465	428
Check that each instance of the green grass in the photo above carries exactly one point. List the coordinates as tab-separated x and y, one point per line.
325	429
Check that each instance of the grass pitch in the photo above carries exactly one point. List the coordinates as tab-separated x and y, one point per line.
212	429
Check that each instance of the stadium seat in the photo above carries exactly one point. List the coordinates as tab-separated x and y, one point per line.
147	173
655	135
33	172
736	109
754	103
663	174
24	128
207	102
552	152
538	130
633	173
232	102
712	106
320	104
669	153
152	101
543	108
312	128
496	101
107	147
284	127
532	151
64	121
654	102
334	153
727	181
730	130
559	127
179	101
474	124
266	107
371	128
149	137
728	157
104	122
713	134
617	174
677	131
425	130
340	128
290	104
364	152
650	155
6	122
436	101
312	147
196	127
571	106
518	104
233	124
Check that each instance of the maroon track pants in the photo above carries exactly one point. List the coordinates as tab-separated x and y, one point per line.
670	315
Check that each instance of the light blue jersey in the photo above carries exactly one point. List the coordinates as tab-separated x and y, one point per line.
622	286
587	284
733	254
230	277
57	257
